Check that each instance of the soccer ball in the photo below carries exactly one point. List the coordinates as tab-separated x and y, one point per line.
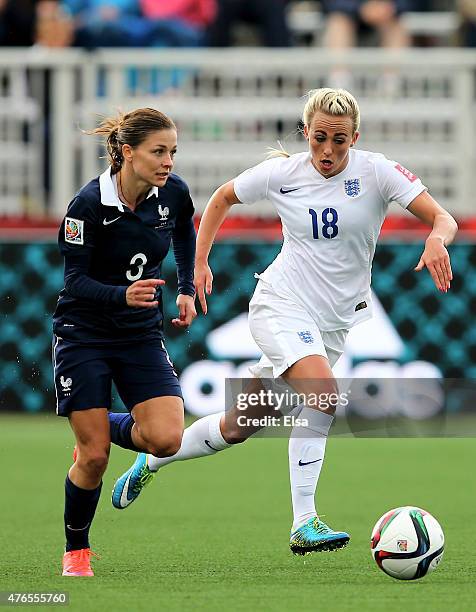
407	543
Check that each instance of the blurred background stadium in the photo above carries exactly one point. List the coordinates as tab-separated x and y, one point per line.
232	76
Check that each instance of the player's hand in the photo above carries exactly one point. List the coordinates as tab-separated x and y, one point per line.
141	294
187	312
203	281
436	259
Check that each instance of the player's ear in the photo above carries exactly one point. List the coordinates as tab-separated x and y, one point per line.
306	131
355	138
127	152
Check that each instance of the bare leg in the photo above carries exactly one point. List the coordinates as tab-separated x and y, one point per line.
83	483
158	426
340	34
91	428
394	35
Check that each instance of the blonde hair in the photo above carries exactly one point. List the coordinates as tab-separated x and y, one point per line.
130	128
337	102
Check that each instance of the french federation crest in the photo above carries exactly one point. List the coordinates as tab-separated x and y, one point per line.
353	187
306	336
163	212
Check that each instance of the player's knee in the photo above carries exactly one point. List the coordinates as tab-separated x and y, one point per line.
326	396
234	435
330	401
94	462
166	447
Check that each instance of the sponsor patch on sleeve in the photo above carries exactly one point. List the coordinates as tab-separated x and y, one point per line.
74	231
409	175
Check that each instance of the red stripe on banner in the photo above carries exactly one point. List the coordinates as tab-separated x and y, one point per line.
401	228
242	228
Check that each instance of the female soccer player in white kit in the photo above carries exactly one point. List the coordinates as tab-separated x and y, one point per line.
332	201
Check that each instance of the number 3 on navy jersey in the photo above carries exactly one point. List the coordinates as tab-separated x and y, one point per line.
329	223
138	260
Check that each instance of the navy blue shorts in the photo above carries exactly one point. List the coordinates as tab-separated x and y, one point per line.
84	374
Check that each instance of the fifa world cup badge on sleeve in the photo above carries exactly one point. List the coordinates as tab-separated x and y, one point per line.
74	231
409	175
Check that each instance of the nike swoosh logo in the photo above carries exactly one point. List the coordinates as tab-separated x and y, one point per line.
79	528
105	222
207	442
308	462
288	190
125	501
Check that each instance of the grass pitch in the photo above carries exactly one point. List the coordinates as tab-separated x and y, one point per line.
212	533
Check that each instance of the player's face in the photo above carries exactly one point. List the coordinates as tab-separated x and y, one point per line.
330	138
153	160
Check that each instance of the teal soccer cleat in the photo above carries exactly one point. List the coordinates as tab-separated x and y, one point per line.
130	484
316	536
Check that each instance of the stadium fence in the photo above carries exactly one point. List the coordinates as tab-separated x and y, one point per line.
229	106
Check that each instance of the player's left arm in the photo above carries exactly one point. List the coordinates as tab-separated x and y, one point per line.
184	239
435	256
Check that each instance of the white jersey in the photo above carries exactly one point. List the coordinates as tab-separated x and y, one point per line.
330	229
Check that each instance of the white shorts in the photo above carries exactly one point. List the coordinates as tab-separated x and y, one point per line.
286	333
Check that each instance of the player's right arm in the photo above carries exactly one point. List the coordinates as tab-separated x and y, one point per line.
215	213
248	187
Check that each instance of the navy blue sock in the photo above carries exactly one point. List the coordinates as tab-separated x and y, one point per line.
79	509
121	426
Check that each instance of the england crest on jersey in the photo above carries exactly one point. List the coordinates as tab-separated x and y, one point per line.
352	187
306	336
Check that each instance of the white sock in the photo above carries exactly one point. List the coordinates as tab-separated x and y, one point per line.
307	446
202	438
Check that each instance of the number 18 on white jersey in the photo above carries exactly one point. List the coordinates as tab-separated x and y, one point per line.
330	228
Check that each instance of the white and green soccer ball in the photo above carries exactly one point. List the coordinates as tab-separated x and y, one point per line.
407	543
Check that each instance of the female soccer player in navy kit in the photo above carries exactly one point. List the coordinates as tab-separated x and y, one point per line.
108	323
332	201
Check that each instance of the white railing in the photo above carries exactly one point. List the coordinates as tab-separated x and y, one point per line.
33	97
229	105
20	144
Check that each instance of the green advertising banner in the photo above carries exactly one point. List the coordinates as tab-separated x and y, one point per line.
416	326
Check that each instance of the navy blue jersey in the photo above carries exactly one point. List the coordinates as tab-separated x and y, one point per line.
107	247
